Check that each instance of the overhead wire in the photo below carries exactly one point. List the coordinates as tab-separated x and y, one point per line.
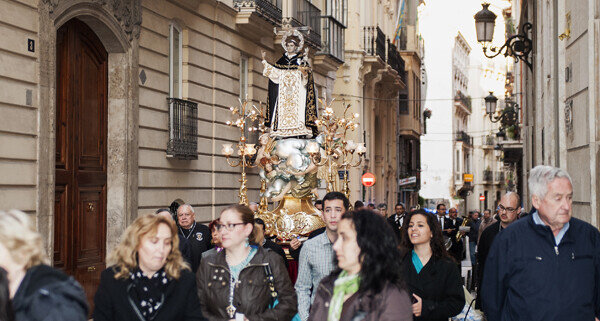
398	99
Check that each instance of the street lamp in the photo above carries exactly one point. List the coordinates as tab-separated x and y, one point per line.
490	103
508	117
485	21
518	46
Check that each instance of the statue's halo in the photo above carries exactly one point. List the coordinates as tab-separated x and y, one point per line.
295	33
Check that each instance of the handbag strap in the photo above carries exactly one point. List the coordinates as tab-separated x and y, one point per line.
271	281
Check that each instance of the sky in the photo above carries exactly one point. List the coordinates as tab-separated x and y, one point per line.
439	23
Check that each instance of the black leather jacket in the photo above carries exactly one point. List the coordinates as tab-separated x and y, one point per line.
252	295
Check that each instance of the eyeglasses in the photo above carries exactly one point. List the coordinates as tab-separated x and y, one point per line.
508	209
229	226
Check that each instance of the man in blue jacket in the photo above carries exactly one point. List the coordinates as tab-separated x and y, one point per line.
545	266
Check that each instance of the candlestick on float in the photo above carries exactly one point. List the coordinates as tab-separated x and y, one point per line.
244	150
337	151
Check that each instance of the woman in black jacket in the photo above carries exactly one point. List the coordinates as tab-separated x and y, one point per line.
6	313
430	273
37	291
241	281
149	280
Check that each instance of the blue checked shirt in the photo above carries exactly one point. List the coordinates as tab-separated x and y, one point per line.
316	262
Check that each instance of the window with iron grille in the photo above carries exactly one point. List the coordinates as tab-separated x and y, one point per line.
183	129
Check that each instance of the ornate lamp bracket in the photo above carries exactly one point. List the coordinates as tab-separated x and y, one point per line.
518	46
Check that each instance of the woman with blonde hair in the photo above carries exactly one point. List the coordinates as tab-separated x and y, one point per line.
243	281
149	279
37	291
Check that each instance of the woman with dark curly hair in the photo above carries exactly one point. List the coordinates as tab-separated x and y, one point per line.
429	271
367	284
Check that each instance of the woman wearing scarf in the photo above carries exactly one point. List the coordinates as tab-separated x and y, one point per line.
430	273
149	280
243	281
367	284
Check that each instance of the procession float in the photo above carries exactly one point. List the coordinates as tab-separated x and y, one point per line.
298	146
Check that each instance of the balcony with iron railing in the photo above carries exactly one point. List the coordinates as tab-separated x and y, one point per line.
461	99
499	179
307	17
488	142
374	42
270	10
465	138
332	38
395	60
488	176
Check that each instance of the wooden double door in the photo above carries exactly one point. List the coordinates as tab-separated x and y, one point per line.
81	155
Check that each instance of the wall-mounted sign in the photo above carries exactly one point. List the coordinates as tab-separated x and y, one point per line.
407	181
468	177
368	179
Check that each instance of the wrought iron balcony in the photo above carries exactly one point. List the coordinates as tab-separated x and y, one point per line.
488	176
462	136
374	42
268	9
333	37
463	100
500	177
306	14
183	129
395	60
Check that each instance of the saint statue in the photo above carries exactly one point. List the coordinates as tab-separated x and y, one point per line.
292	107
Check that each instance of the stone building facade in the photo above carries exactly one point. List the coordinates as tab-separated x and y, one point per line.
89	93
462	151
382	82
560	96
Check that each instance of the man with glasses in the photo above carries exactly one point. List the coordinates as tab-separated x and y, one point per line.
197	235
508	210
316	256
545	266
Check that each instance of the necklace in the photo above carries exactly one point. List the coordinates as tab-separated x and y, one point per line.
234	273
230	308
191	230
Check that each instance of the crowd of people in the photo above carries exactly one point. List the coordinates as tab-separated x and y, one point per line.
363	265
